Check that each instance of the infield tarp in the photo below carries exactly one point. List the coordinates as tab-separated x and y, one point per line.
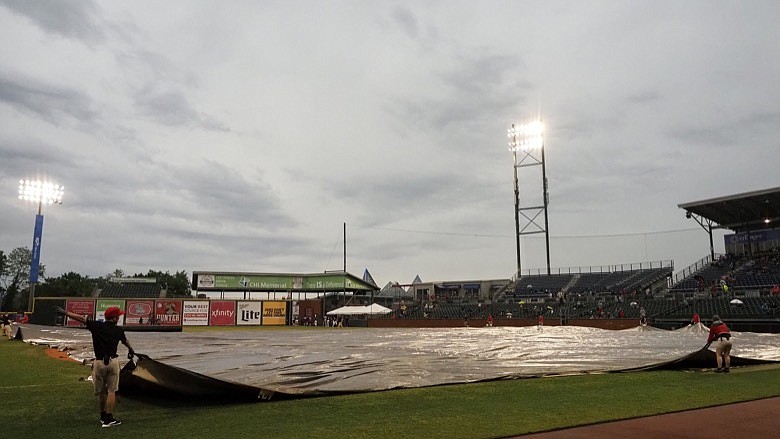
350	360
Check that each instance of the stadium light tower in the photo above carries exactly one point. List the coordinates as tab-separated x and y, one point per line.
41	192
527	141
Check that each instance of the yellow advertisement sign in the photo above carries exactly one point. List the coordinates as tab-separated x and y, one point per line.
274	313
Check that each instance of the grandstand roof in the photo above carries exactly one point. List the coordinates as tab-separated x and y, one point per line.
741	212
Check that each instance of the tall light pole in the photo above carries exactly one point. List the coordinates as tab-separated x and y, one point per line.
513	147
527	140
43	193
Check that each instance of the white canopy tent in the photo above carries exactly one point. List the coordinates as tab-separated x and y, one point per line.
346	310
376	308
372	309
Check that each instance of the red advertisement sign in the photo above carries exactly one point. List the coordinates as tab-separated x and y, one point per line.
167	312
82	308
139	312
223	312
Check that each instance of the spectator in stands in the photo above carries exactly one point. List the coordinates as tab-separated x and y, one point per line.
721	335
106	336
7	328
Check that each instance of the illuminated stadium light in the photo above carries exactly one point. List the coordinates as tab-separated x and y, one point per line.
526	137
41	192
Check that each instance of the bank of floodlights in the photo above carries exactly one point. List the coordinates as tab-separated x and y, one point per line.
526	137
40	192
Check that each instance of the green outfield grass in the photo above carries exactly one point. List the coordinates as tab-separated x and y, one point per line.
47	398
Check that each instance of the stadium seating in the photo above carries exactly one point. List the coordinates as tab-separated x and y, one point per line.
131	290
615	281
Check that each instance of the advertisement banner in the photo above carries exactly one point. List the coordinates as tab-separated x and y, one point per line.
84	308
252	282
36	249
250	313
279	282
104	304
327	283
196	313
274	313
167	312
223	313
139	312
205	281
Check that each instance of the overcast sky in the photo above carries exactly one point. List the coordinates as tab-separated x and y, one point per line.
241	135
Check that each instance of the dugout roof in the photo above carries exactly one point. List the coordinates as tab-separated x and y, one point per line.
744	212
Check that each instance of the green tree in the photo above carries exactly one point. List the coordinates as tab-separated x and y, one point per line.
3	287
70	284
15	278
118	272
176	285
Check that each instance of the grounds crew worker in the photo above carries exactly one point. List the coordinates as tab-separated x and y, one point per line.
8	330
720	334
105	368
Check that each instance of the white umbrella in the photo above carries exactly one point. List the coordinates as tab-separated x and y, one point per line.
736	302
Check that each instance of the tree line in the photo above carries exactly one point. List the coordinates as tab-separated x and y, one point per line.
15	281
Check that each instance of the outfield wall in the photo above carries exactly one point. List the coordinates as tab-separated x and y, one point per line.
140	313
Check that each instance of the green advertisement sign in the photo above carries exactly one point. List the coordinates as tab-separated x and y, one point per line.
271	282
251	282
103	304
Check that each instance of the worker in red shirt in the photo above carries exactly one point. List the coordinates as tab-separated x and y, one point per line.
695	319
721	335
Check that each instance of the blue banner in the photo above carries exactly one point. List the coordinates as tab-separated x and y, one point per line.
36	249
755	236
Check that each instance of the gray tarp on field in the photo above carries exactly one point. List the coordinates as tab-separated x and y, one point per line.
347	360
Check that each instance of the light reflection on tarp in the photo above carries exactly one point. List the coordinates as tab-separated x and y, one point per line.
334	360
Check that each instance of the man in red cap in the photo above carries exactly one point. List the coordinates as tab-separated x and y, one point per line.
106	336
